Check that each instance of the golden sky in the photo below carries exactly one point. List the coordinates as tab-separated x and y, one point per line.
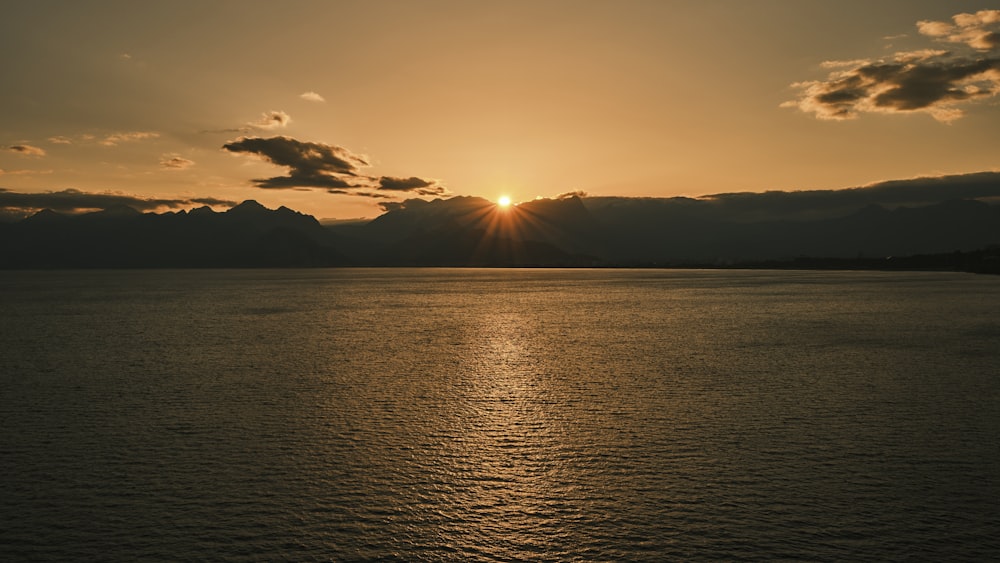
331	107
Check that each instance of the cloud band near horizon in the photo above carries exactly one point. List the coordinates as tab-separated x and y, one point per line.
74	201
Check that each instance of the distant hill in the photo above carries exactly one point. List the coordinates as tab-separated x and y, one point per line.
676	231
862	226
672	232
247	235
471	231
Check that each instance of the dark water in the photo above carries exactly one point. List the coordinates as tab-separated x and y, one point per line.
499	415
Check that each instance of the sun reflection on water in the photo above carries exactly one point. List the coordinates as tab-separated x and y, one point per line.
512	447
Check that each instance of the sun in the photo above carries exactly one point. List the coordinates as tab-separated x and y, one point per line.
504	201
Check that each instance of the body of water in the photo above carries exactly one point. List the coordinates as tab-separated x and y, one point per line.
498	415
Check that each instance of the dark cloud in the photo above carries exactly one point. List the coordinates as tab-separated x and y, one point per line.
808	204
919	86
317	165
412	184
301	182
311	165
72	201
402	184
371	194
25	150
405	204
929	81
304	158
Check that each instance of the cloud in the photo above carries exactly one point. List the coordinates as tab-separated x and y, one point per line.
412	184
23	172
810	204
25	150
267	121
311	97
311	165
405	204
175	162
928	81
980	30
127	137
272	120
72	201
318	165
375	195
934	29
110	140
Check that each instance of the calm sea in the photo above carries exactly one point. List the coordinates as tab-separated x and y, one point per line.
498	415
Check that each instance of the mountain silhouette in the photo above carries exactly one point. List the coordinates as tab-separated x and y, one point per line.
248	235
471	231
658	231
730	229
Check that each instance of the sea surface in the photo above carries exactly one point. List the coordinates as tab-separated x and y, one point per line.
499	415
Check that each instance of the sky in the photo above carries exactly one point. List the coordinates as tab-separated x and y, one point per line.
334	108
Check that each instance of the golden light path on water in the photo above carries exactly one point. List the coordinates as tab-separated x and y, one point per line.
535	449
510	448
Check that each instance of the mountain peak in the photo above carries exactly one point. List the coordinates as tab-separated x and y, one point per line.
45	215
202	211
116	211
248	206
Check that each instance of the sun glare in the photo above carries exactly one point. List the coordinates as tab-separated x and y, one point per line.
504	201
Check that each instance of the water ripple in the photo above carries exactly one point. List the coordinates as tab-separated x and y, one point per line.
494	415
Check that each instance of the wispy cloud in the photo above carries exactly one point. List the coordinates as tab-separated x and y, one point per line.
175	162
311	97
72	200
25	150
931	81
271	120
362	193
268	120
60	140
23	172
127	137
329	167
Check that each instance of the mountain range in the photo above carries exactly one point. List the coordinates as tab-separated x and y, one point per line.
930	216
